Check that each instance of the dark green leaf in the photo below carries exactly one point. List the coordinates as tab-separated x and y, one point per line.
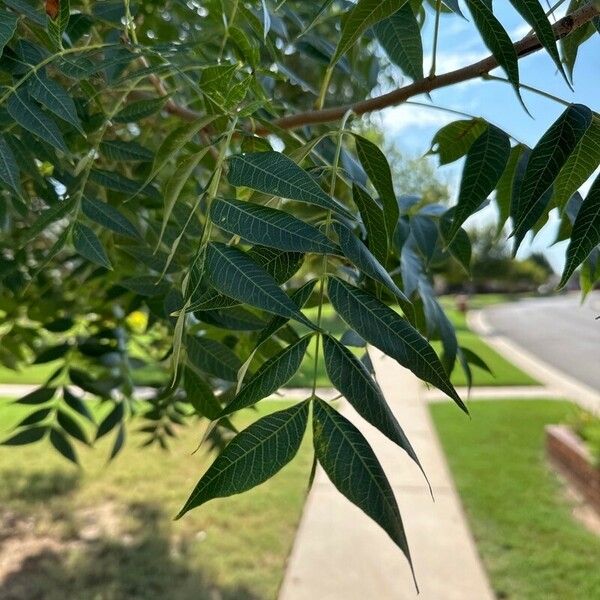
269	227
496	39
453	141
377	168
8	26
71	426
77	404
400	36
120	151
31	118
365	14
62	444
108	216
353	380
139	110
27	436
504	189
353	468
385	329
484	166
86	242
580	165
119	442
55	98
546	160
200	395
213	357
272	375
9	170
586	232
112	419
35	417
253	456
51	353
276	174
146	285
372	217
38	396
233	273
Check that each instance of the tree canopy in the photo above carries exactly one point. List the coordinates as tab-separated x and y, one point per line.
178	180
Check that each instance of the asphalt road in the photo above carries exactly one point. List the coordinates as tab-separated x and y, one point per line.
557	330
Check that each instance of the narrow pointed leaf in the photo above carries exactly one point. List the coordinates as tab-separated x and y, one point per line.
200	395
8	26
353	468
400	36
496	39
505	186
276	174
580	165
71	426
252	457
586	232
269	227
233	273
108	216
271	376
121	151
26	436
386	330
544	164
378	170
34	120
62	444
77	404
485	163
86	242
365	14
38	396
372	217
55	98
9	170
351	378
355	251
139	110
453	141
213	357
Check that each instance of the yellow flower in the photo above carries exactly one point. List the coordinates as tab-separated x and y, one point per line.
137	321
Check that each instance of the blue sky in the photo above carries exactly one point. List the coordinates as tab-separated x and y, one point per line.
411	128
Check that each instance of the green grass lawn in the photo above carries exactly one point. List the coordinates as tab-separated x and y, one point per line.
106	532
531	546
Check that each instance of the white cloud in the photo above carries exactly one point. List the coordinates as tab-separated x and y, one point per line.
409	116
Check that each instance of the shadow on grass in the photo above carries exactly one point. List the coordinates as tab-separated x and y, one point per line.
142	565
37	486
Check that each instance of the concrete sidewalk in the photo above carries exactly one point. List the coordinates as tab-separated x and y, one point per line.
340	554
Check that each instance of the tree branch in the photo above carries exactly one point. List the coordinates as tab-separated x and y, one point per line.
528	45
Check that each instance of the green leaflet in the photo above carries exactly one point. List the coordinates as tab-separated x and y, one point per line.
580	165
365	14
31	118
200	395
381	326
453	141
484	166
26	436
108	216
533	13
70	426
586	232
8	26
213	357
9	170
546	160
496	39
460	246
355	251
272	375
400	36
276	174
351	378
372	217
377	168
269	227
253	456
570	44
86	242
55	98
63	445
139	110
121	151
233	273
56	24
353	468
504	189
300	298
40	395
